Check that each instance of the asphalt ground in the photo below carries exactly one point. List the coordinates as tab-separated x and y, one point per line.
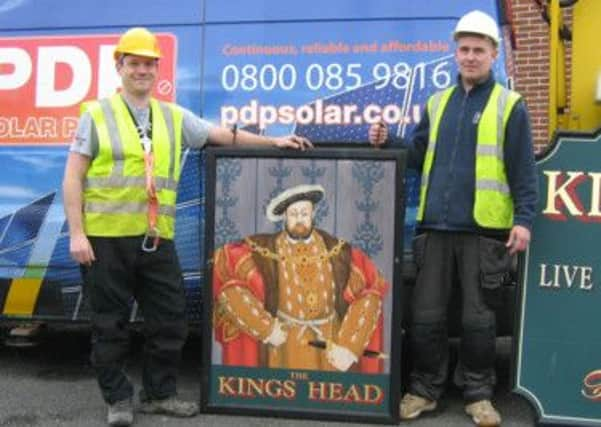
53	384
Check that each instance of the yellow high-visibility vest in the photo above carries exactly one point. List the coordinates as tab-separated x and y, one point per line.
115	197
493	205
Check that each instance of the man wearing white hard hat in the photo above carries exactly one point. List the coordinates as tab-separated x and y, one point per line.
478	196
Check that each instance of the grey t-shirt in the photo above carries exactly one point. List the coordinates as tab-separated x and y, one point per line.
195	131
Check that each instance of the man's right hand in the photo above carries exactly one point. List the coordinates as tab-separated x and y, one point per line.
377	134
81	249
277	336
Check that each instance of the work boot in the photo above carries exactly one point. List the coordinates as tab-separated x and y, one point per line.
120	414
412	406
483	413
171	406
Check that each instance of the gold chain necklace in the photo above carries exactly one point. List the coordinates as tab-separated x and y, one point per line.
295	259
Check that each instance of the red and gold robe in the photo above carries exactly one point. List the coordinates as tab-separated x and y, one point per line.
321	290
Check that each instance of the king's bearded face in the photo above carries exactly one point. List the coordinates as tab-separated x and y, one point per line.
299	219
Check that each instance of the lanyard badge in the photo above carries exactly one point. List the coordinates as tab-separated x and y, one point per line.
146	143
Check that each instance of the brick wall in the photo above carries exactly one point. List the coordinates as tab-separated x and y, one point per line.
531	58
532	64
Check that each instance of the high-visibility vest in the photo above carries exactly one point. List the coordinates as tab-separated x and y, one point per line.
115	196
493	205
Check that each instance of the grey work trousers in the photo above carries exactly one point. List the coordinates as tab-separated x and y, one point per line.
479	263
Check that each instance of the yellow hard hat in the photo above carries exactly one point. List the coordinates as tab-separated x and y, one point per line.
138	41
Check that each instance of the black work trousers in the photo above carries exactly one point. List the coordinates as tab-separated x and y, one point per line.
122	272
479	263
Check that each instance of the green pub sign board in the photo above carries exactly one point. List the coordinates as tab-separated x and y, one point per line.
558	361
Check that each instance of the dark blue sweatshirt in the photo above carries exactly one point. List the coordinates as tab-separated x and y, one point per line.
450	197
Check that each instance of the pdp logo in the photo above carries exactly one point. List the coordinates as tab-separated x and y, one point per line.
43	80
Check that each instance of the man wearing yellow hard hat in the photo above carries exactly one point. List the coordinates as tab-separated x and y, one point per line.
478	198
120	189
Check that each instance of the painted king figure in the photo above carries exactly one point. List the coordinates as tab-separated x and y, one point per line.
300	298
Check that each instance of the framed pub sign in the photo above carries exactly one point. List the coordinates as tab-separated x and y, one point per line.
302	308
558	356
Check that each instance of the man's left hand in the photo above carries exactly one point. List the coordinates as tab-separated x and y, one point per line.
292	141
377	134
518	240
340	357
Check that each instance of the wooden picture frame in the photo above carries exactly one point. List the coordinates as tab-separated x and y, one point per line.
304	323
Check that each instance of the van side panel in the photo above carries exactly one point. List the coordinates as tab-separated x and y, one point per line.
319	69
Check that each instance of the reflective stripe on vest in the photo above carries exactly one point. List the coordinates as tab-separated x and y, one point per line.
493	205
115	197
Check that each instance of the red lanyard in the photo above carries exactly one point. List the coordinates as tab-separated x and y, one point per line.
152	237
152	233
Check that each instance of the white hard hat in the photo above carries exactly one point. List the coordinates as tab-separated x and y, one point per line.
478	22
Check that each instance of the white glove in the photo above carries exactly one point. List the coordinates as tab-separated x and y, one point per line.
277	336
340	357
